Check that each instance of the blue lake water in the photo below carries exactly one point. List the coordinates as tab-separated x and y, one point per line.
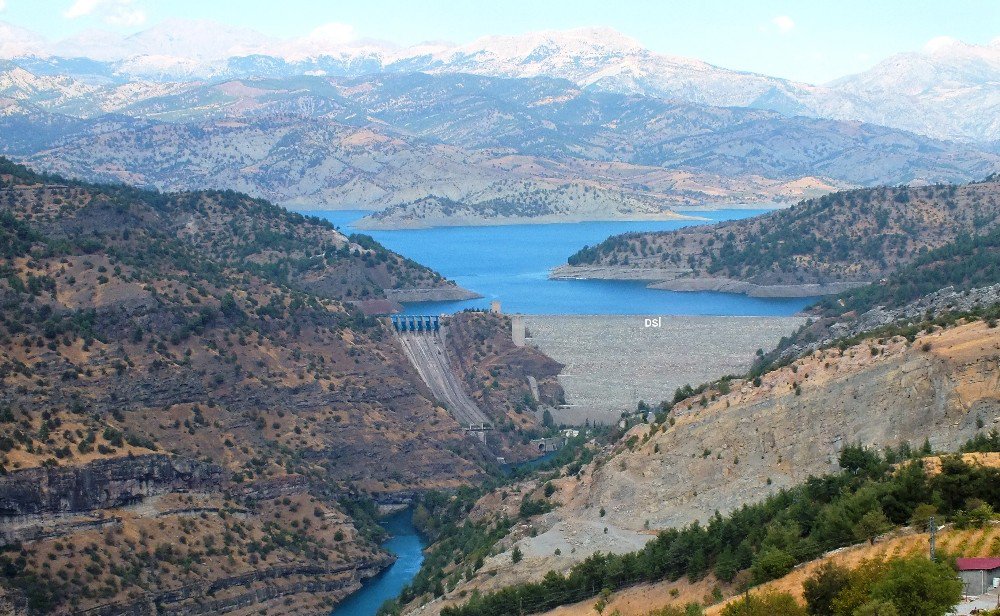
408	548
511	263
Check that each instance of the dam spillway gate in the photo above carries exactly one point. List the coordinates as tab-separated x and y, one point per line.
416	323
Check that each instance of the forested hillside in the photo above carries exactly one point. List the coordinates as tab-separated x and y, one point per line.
967	263
958	279
766	540
856	236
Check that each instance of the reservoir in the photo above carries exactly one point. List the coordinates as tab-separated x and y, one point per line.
408	547
511	263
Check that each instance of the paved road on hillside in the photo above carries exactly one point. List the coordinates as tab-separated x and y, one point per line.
427	354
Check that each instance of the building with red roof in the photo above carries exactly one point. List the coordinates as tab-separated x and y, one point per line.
978	574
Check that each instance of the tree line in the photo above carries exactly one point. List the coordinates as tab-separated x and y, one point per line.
766	540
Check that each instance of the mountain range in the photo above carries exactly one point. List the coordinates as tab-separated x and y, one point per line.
948	89
582	124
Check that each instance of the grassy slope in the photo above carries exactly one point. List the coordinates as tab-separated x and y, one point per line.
640	600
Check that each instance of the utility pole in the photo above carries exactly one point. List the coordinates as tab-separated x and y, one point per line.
933	531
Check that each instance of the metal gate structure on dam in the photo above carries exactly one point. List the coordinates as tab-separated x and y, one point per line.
416	323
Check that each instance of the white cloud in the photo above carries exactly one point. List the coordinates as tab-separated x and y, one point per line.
327	39
784	23
81	8
332	33
113	12
3	4
126	17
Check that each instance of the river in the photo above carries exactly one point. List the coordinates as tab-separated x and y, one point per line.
408	547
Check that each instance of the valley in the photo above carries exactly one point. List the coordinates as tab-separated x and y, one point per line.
494	320
894	387
900	373
194	402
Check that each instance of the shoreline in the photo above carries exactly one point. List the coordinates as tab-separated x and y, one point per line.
394	299
369	224
366	222
443	294
676	280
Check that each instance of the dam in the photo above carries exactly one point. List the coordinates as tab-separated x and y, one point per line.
612	362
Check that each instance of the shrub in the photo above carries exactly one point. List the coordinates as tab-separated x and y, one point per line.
822	587
769	603
771	564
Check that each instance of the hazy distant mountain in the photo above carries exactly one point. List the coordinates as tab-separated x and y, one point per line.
390	139
949	90
582	120
17	42
604	59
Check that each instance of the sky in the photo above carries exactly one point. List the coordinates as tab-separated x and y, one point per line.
811	41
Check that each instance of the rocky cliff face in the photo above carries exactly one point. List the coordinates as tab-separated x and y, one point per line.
102	484
277	588
741	446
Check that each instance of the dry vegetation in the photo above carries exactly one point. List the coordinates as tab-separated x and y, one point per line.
145	334
496	372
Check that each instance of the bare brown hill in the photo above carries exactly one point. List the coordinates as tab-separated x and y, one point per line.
191	410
